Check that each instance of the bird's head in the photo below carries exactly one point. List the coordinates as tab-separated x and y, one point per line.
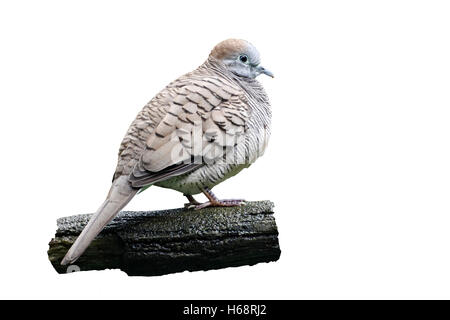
239	57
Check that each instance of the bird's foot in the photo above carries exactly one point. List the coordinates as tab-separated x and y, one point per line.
220	203
192	202
213	201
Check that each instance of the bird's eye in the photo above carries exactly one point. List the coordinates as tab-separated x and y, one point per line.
243	58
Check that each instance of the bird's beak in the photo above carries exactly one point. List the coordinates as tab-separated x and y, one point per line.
263	70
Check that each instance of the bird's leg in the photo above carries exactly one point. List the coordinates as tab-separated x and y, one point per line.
192	202
215	202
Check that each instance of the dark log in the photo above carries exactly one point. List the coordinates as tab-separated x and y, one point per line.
167	241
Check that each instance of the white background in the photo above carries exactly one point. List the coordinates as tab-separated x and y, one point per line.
358	165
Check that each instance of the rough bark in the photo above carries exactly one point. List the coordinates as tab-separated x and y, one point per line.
167	241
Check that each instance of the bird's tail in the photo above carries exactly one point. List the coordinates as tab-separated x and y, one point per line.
119	195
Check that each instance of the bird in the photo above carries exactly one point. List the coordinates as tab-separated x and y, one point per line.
200	130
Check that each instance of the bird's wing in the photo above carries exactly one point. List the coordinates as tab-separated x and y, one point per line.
205	122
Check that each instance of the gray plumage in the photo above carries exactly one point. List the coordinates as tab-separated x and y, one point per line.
200	130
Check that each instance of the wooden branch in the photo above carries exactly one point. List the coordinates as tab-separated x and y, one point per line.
162	242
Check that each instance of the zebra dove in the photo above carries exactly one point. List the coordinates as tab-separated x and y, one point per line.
202	129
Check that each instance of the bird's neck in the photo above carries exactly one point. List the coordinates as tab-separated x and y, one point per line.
251	87
254	91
